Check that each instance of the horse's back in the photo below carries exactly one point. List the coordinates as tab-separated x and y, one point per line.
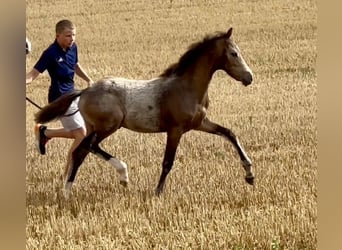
101	96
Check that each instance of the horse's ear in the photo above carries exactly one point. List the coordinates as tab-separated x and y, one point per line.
229	33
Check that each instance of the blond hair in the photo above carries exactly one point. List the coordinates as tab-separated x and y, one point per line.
64	24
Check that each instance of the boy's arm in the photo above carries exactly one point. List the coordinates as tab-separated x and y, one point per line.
30	76
81	73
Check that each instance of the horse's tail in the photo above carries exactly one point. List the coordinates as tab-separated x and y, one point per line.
56	108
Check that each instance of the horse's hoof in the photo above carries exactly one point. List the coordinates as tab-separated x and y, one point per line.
158	191
124	183
250	180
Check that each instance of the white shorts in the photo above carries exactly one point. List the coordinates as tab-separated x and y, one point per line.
74	121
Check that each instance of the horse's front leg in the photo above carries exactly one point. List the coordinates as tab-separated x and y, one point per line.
173	138
213	128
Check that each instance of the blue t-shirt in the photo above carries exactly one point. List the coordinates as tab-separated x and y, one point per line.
61	67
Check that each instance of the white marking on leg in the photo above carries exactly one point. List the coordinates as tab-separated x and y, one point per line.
67	189
247	160
121	168
247	163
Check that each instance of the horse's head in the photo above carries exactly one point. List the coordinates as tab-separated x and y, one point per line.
233	62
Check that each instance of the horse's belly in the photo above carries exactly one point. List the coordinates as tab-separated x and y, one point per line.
145	121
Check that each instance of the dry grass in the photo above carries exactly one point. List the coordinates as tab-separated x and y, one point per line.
206	204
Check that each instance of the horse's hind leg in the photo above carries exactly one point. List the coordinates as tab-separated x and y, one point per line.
90	144
213	128
78	156
120	166
89	129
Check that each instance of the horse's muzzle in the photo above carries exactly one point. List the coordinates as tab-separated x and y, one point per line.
247	79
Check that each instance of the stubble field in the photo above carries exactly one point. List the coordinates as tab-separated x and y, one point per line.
206	203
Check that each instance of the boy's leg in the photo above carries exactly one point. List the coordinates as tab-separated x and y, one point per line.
75	125
58	132
70	123
44	134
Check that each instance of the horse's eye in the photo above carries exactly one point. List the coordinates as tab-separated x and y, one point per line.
234	54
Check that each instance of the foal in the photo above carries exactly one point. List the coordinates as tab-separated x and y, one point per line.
174	103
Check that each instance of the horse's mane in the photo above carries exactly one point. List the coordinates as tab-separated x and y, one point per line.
190	56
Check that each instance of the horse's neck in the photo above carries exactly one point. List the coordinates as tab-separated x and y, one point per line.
200	74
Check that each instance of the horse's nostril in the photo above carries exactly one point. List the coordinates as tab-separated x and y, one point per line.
245	82
248	79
